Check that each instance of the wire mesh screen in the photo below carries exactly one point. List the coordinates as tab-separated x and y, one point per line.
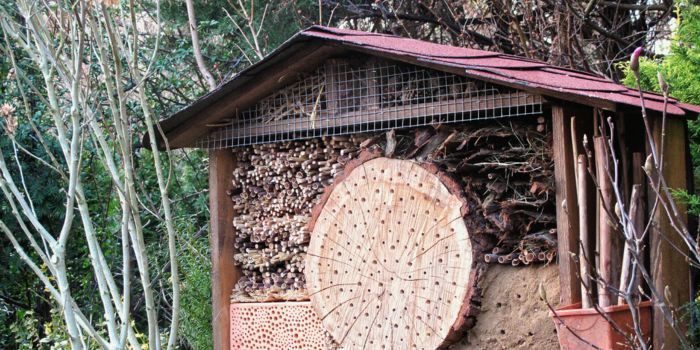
344	97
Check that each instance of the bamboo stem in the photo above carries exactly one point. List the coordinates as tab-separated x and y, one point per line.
585	256
605	222
574	145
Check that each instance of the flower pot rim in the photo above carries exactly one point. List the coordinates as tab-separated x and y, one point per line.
575	309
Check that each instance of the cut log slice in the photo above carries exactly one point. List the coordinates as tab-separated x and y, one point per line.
390	261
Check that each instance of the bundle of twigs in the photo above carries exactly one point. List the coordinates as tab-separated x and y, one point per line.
295	100
507	172
403	85
273	190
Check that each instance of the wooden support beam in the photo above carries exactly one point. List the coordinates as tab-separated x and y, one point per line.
620	137
670	270
224	273
567	209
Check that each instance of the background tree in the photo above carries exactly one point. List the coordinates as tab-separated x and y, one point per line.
86	61
30	318
590	35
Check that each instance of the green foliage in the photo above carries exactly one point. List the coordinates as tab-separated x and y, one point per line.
193	247
55	337
692	312
26	330
24	303
30	333
683	65
691	201
195	268
647	75
28	319
681	70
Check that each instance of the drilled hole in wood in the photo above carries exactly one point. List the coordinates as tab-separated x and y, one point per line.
409	272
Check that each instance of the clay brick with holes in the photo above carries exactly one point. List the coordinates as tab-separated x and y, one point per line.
289	325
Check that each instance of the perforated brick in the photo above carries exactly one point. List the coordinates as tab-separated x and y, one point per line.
290	325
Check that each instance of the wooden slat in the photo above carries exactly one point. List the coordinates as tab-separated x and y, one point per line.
326	120
584	126
618	241
606	230
586	257
670	270
567	209
224	273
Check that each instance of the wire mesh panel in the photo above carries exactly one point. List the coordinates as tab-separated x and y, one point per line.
345	97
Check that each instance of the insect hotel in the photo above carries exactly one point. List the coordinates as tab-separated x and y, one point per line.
363	186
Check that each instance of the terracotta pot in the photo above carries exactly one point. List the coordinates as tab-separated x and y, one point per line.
595	329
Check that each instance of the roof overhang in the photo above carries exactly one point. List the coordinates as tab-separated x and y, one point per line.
308	49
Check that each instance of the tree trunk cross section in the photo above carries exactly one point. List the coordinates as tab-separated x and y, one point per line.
390	259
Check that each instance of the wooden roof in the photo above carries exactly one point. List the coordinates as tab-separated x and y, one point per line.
309	48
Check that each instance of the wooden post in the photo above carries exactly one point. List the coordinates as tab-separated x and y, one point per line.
567	208
670	270
224	273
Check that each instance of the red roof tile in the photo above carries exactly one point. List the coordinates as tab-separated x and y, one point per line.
496	67
494	62
394	43
689	107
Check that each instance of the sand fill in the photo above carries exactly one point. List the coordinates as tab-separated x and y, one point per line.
512	314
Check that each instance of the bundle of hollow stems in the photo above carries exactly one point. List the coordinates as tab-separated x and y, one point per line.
274	188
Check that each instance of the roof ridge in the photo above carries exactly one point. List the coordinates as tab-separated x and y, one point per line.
354	32
343	31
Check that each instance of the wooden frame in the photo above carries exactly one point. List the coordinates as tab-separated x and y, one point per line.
670	270
224	272
567	208
317	46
